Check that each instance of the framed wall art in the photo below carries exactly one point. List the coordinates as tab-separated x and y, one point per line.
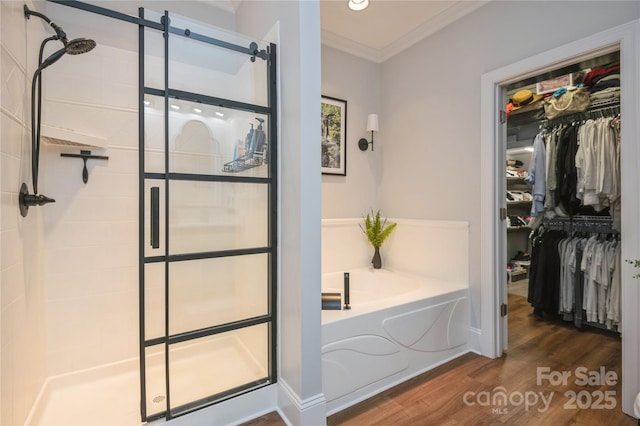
334	136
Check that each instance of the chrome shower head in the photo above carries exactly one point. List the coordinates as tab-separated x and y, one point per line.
79	46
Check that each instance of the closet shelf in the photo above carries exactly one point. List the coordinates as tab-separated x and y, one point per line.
518	228
516	179
515	203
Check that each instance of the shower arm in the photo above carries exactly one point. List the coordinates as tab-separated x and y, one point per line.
59	31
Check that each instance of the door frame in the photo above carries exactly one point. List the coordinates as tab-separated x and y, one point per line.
493	326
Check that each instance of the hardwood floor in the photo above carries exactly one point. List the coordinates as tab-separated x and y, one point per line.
438	396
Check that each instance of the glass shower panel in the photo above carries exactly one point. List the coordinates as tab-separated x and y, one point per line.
210	292
199	67
154	134
213	216
217	365
208	199
155	379
153	55
211	140
154	296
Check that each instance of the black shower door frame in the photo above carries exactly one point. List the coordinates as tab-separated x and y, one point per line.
270	111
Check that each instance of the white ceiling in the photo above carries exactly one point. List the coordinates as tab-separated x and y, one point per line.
387	27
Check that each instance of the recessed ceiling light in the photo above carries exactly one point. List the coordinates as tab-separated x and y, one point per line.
147	103
198	110
358	4
219	114
175	107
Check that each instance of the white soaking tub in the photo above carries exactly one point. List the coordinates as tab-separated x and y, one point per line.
400	324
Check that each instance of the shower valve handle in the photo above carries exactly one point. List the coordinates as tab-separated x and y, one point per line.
36	200
27	200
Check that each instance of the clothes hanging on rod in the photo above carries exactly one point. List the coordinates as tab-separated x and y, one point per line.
578	164
575	272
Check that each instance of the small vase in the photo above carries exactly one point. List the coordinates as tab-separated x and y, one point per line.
377	260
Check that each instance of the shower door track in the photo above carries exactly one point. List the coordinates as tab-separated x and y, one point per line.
270	111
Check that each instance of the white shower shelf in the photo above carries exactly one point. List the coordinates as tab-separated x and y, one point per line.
61	136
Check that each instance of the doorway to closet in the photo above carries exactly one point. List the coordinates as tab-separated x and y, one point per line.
563	193
494	209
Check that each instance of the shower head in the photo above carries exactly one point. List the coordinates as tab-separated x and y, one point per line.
73	47
79	46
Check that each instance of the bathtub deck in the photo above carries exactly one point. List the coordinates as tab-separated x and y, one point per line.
436	290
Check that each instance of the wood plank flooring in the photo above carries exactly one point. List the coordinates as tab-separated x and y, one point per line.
438	396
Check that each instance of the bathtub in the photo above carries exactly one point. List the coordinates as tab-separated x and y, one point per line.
400	324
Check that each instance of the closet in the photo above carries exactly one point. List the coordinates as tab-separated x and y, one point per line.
563	192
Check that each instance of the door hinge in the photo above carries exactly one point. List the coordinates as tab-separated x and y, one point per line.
503	213
503	310
503	117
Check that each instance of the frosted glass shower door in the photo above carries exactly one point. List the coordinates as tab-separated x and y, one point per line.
208	218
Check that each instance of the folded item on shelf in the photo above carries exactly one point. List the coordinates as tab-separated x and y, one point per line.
521	256
598	72
517	196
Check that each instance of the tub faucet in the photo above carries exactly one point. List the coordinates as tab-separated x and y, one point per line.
346	291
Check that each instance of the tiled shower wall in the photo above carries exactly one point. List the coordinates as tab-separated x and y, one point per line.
22	320
91	232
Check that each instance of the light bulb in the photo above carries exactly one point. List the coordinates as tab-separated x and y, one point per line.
358	4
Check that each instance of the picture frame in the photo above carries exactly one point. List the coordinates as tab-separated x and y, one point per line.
333	137
550	86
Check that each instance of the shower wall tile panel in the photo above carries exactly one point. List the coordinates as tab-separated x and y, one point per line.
13	84
22	309
14	137
92	230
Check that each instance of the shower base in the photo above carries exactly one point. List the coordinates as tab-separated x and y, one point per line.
110	394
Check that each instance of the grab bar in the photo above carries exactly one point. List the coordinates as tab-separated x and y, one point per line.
155	217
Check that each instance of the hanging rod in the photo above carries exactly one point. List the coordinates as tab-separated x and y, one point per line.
581	218
600	224
603	110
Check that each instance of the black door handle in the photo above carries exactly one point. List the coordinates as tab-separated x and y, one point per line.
155	217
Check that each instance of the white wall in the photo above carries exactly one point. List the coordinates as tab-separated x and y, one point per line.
297	32
22	318
357	81
431	96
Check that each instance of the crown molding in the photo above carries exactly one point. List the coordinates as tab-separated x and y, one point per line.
332	39
225	5
235	4
433	25
438	22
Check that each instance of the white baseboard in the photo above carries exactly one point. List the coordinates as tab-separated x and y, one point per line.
295	411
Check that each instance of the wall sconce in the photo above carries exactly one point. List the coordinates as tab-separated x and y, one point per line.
372	126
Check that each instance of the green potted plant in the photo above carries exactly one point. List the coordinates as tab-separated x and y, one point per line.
636	264
377	231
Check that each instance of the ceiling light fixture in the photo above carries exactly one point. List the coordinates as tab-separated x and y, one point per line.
219	114
176	107
358	4
198	110
147	103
